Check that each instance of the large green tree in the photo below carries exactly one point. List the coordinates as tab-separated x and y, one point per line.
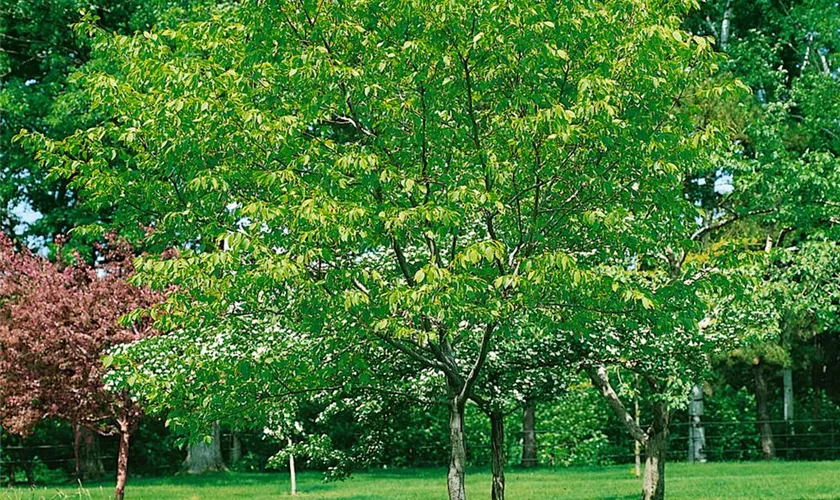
38	53
431	178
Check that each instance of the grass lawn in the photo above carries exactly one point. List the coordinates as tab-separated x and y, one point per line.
777	481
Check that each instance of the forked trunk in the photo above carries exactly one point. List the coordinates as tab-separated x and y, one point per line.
656	448
122	460
768	449
497	451
529	436
458	451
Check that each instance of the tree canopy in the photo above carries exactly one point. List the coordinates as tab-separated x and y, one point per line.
437	180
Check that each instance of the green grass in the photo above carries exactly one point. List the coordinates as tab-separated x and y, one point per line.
777	480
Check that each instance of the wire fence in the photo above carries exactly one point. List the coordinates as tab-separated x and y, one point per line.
813	439
719	441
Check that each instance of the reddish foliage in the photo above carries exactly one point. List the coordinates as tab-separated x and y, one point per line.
56	322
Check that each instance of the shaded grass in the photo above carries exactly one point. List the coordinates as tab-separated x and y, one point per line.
730	481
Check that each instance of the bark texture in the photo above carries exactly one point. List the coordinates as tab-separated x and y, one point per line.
768	448
122	460
458	451
656	449
529	436
497	450
205	457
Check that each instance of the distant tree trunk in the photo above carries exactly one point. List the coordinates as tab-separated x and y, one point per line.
122	459
529	436
497	451
818	370
725	25
30	474
235	449
26	459
458	452
696	431
86	453
77	450
292	473
656	449
637	446
205	457
768	449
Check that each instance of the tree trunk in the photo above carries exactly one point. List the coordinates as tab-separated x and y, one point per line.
696	431
26	460
725	26
292	473
497	451
77	451
818	370
86	453
768	449
637	446
235	449
122	460
529	436
205	457
28	465
29	472
458	451
656	449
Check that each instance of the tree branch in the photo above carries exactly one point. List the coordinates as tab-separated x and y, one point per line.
727	221
598	376
479	361
402	262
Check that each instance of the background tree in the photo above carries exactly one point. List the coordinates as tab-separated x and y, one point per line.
57	322
39	51
776	190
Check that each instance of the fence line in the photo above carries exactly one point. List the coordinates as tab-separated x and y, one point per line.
814	439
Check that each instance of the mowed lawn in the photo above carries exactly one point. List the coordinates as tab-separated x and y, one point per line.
777	481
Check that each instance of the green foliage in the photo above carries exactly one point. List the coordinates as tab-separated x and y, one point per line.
40	52
573	430
498	189
736	437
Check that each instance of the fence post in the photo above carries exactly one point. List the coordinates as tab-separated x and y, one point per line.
696	432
